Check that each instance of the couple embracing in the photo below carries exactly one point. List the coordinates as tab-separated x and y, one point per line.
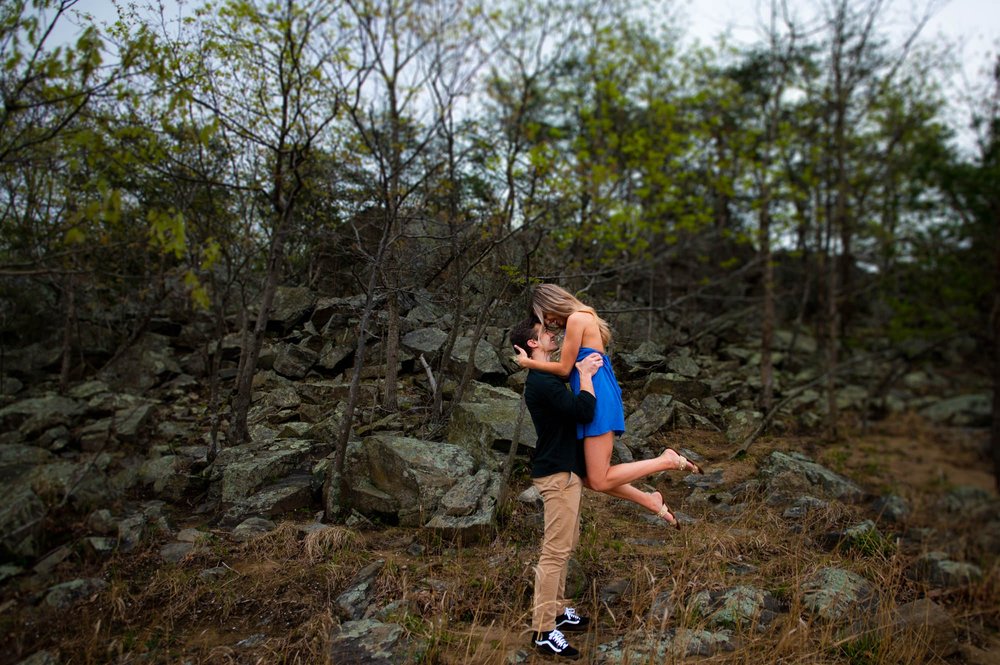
576	433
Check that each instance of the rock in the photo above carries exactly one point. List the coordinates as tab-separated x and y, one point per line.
487	362
99	546
8	571
102	521
21	513
680	387
797	342
64	595
937	569
683	365
40	658
803	506
653	413
370	642
246	468
405	476
130	422
286	495
353	603
35	415
210	574
291	305
145	364
532	497
468	511
294	361
654	647
864	538
427	342
924	618
738	607
891	508
175	552
962	411
251	528
741	424
192	536
130	532
52	559
478	427
613	590
791	473
967	502
834	593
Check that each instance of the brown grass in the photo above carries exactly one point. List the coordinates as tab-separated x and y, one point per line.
276	601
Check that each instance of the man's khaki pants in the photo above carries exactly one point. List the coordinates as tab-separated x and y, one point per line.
561	493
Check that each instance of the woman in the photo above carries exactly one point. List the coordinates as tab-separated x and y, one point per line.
587	333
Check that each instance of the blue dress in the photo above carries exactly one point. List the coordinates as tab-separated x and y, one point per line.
609	416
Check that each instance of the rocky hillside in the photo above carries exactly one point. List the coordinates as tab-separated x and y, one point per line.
120	464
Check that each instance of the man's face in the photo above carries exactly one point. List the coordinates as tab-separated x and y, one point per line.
547	341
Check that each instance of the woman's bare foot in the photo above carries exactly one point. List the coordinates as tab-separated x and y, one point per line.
663	512
679	462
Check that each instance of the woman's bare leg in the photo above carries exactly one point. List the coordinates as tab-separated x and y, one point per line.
602	475
651	501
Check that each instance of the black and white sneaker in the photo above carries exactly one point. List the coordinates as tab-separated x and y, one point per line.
571	622
553	643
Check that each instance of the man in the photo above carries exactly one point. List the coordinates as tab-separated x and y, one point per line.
557	470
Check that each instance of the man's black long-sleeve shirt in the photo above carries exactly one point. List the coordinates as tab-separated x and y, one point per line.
555	411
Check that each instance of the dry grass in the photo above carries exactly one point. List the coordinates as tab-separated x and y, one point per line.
274	601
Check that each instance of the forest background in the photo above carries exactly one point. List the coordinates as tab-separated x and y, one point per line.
160	167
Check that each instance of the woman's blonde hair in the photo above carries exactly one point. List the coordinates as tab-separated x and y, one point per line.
552	299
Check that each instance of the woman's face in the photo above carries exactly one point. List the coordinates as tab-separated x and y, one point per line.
555	321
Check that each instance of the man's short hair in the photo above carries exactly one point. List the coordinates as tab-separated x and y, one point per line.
524	331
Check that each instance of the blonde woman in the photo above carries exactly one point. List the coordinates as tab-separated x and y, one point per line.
587	333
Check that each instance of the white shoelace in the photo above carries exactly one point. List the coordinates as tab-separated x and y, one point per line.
556	637
571	614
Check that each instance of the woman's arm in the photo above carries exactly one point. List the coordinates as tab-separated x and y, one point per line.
572	341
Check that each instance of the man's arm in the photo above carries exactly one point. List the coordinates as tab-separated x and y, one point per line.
563	402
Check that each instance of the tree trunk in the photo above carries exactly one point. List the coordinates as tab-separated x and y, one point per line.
767	320
69	324
239	432
390	402
995	428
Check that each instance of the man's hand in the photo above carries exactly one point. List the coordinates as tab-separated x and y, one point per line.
589	365
521	357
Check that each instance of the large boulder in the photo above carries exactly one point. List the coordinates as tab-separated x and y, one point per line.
794	474
427	342
961	411
680	387
468	510
291	305
404	477
371	642
35	415
245	469
487	362
145	364
834	593
480	426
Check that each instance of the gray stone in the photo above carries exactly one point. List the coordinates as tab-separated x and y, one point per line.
38	414
834	593
680	387
210	574
532	497
891	508
10	385
291	305
8	571
99	546
405	476
468	511
663	647
487	362
741	424
143	365
426	341
130	532
192	536
294	361
794	473
795	342
478	427
737	607
333	357
102	521
129	423
251	528
69	593
370	642
286	495
352	603
40	658
246	468
21	513
803	506
175	552
864	538
962	411
937	569
683	365
653	413
51	560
